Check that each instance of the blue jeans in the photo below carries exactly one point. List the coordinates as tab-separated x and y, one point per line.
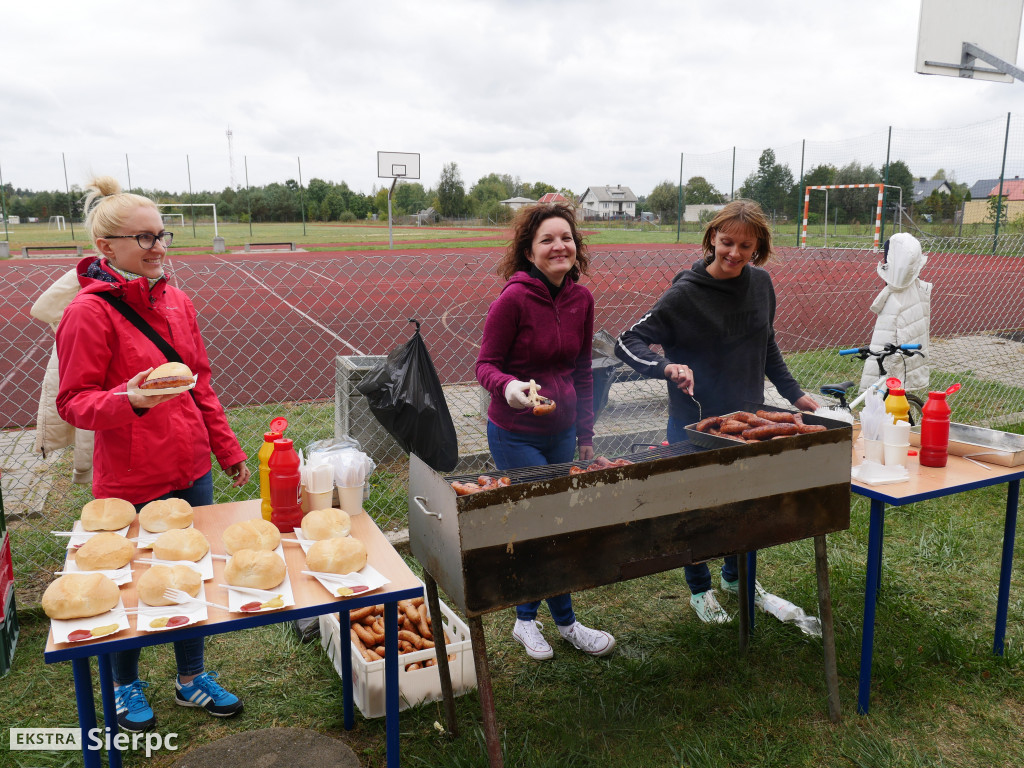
511	450
698	577
187	653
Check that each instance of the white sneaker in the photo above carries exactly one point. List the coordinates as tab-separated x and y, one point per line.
593	641
708	609
528	633
733	587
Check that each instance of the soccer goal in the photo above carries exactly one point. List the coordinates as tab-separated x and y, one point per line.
171	218
878	208
190	205
56	222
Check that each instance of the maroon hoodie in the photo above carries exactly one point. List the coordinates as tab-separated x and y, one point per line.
529	335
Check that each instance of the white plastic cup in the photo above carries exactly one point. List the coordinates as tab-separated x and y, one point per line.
351	499
896	454
896	434
312	500
873	451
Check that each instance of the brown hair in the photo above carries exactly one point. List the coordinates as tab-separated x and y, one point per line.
525	225
745	214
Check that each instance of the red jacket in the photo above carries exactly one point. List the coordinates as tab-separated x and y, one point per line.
139	455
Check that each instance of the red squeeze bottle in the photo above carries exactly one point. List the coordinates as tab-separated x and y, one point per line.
934	431
285	509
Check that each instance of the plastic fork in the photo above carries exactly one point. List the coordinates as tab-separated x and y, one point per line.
179	596
346	580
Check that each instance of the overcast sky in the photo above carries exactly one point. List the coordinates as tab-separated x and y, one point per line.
570	93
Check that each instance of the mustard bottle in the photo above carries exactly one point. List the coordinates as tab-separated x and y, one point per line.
277	428
896	401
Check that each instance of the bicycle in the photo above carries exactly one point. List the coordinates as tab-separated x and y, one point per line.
839	391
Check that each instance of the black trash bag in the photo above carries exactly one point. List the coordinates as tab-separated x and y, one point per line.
405	394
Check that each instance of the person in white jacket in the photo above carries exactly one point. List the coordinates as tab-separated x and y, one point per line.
904	312
52	432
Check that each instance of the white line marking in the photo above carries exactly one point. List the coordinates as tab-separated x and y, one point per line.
294	308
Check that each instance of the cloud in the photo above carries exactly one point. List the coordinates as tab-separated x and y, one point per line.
572	93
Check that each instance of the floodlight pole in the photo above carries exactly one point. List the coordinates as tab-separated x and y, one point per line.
967	67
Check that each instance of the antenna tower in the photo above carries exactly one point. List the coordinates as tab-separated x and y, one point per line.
231	158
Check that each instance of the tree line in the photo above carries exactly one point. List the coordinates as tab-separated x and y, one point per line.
318	200
772	185
782	197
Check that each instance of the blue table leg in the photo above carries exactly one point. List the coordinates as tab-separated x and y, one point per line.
391	681
86	709
873	578
1009	534
751	578
345	649
109	707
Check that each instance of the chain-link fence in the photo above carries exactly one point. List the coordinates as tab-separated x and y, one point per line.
291	337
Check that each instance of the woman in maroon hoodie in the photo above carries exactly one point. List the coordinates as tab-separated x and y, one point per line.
541	329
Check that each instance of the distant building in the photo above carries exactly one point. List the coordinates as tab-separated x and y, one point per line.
616	202
985	188
924	187
515	203
554	197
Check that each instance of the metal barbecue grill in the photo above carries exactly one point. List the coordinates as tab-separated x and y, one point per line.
551	532
642	452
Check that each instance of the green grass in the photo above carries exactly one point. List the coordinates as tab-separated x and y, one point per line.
675	692
335	237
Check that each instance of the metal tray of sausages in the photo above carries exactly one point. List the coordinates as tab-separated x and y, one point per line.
705	440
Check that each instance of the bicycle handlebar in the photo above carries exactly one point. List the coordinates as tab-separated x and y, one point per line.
889	349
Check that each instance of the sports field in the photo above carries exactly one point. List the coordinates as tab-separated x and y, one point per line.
274	322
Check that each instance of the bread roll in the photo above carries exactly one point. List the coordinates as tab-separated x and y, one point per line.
104	551
340	555
107	514
251	534
168	376
79	596
151	585
165	515
255	568
181	544
326	524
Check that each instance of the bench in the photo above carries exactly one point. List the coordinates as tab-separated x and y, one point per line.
60	250
250	246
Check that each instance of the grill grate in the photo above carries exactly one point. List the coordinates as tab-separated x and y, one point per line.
642	453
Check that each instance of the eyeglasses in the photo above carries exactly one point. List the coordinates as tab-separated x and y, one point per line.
146	240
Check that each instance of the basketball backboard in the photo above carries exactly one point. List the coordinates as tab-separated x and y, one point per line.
401	165
990	25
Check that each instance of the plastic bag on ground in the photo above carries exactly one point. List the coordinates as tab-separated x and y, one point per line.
405	394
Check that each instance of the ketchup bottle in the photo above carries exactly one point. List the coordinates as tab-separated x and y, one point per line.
277	428
934	431
284	481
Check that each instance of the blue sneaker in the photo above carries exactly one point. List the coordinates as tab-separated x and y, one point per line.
133	711
204	692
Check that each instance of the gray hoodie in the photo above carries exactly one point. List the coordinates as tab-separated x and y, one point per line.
724	330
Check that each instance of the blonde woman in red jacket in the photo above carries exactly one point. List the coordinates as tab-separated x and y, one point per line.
147	447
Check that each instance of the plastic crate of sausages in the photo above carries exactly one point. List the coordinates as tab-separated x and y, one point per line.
419	678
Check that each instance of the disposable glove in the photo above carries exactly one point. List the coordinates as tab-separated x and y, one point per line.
517	394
